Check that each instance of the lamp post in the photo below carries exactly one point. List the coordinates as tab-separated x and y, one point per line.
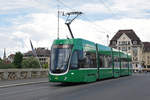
107	40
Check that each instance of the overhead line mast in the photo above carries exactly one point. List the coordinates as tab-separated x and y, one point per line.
58	22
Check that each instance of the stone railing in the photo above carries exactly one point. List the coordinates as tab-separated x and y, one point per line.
15	74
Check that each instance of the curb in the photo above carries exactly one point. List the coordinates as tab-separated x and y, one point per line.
21	84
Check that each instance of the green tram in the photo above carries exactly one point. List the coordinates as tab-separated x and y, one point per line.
79	60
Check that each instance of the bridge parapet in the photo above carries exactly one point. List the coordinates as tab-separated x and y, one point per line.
15	74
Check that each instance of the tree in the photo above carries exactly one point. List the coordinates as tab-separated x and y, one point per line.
1	61
18	59
45	66
30	62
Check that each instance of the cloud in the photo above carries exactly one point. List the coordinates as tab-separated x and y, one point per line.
131	9
19	6
42	30
94	8
39	23
116	8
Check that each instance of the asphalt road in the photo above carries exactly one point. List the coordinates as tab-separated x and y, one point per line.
136	87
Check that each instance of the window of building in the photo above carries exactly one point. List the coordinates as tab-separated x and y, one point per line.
124	49
128	48
124	38
135	59
130	64
128	42
148	60
134	42
124	42
114	42
135	52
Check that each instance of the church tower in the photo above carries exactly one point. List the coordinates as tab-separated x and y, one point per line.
4	56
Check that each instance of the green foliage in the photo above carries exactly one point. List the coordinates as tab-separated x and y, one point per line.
30	62
18	59
6	66
45	66
1	61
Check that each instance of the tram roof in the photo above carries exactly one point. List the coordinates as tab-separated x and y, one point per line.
101	47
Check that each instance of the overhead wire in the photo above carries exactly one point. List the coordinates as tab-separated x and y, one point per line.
61	2
109	9
94	25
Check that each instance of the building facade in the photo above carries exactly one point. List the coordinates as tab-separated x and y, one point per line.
11	57
146	54
128	41
43	55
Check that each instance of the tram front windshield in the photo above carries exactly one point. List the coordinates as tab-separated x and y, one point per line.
59	58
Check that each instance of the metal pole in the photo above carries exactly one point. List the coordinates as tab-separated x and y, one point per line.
58	23
120	62
107	40
112	56
68	25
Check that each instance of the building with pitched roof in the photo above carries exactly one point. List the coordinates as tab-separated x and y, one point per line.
42	54
128	41
11	57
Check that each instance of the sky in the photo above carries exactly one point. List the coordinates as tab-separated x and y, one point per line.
36	20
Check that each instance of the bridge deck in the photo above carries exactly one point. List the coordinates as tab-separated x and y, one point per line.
134	87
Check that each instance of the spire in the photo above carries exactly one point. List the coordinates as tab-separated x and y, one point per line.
4	57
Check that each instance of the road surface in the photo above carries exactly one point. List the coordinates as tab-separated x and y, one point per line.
135	87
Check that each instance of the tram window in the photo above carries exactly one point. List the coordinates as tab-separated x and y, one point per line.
105	61
74	60
90	61
130	64
101	61
80	54
93	60
116	62
87	62
124	63
109	61
127	64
